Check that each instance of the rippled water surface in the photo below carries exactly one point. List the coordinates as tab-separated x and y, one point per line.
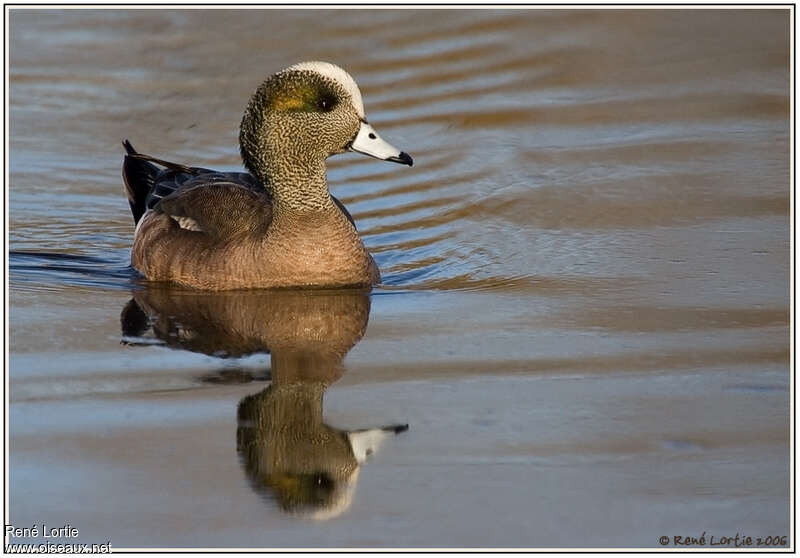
584	320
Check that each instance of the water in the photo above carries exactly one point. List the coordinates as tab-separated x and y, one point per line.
585	311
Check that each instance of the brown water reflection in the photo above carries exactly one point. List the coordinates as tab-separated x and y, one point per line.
585	308
287	450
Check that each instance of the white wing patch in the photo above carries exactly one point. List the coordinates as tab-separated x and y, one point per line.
337	74
187	223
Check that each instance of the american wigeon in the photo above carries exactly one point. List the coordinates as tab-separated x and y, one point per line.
278	225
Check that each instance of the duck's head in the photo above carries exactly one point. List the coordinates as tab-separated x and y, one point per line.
304	114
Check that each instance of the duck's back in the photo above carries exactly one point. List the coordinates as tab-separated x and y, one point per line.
170	181
146	184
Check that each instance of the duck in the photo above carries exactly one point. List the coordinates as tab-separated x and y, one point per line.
277	225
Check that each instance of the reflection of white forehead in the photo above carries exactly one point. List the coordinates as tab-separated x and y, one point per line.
338	75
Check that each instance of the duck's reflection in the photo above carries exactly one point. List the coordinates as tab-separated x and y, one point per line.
287	450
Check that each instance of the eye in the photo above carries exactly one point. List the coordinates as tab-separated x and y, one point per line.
323	481
326	104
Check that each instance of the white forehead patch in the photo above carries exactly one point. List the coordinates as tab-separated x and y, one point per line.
334	72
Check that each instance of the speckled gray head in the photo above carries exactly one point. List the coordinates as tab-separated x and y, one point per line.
302	115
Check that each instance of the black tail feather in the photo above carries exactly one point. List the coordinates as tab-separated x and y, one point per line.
139	176
128	147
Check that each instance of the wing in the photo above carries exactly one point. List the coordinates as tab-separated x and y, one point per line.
170	181
215	204
218	203
343	209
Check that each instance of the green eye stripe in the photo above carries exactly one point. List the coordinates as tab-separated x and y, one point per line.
304	99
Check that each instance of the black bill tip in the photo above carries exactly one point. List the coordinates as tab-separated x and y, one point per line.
404	158
396	428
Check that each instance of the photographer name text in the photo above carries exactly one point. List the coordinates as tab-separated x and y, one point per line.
735	541
44	531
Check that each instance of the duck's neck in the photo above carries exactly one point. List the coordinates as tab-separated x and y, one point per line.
297	186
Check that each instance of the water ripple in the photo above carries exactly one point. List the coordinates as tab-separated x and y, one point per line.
30	271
